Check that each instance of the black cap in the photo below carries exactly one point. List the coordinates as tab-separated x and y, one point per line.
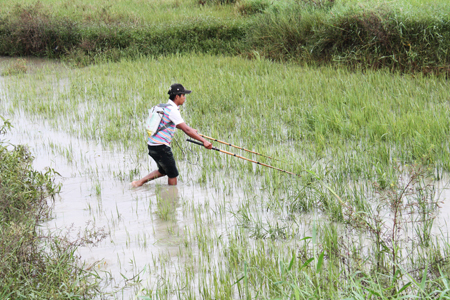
177	89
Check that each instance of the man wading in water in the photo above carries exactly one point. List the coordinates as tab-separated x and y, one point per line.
159	143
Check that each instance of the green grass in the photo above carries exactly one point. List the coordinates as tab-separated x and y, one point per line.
399	36
137	12
173	11
369	145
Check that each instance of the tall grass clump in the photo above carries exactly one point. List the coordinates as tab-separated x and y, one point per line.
375	34
33	264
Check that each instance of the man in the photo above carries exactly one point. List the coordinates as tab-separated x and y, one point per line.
159	144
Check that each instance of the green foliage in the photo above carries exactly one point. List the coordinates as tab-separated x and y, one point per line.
32	30
251	7
340	130
216	2
357	36
32	264
133	13
397	36
350	127
364	121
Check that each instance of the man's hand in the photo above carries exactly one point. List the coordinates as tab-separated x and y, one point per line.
207	145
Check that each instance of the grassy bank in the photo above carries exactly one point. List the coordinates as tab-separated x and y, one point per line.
34	265
401	36
38	30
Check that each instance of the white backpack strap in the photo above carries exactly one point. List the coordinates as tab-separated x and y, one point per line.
163	105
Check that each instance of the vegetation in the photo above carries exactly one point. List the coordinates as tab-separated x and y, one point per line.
373	34
35	30
342	93
401	36
15	68
33	263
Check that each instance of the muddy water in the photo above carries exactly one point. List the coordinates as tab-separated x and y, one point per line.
93	199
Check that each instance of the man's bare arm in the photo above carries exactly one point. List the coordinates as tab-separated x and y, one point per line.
193	134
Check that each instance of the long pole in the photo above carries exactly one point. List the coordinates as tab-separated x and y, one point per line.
228	144
241	157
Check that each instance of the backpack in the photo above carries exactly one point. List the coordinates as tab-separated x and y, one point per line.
154	118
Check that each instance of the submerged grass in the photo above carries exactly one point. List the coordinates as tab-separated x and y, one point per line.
15	68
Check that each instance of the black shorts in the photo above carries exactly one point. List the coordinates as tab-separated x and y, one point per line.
164	160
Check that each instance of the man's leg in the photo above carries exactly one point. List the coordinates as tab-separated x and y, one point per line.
153	175
172	181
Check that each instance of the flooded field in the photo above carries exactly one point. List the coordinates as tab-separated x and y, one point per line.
229	229
143	239
146	233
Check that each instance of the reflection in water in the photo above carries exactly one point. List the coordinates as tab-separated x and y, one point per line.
167	202
167	229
